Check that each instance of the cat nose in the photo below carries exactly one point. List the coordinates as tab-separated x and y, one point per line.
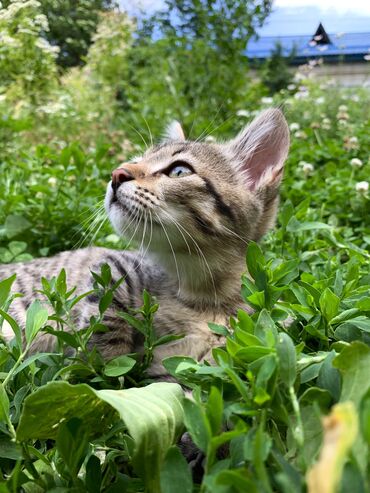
120	175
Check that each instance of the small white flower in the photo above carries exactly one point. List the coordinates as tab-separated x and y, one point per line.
343	107
356	163
300	134
320	100
307	168
353	140
367	58
210	138
52	181
245	113
362	186
266	100
294	126
291	87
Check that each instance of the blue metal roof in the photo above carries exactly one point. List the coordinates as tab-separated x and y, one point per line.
346	44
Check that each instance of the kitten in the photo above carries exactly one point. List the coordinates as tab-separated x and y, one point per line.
193	206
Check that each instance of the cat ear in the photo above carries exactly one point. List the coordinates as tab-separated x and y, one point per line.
261	149
174	131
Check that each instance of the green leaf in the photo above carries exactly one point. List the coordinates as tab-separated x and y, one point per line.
329	304
175	471
153	416
214	410
16	224
218	329
197	424
4	404
252	353
93	477
295	226
15	327
119	366
36	318
5	288
287	359
354	363
255	259
72	443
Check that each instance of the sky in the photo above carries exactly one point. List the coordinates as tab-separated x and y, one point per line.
291	17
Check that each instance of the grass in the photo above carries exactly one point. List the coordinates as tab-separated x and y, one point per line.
264	415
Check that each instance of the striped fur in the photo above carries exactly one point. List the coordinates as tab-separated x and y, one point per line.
192	231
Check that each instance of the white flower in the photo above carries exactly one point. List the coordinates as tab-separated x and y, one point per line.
52	181
245	113
307	168
320	100
356	163
343	107
266	100
300	134
210	138
362	186
294	126
291	87
367	58
353	140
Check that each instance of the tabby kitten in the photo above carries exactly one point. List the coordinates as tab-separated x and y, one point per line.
193	206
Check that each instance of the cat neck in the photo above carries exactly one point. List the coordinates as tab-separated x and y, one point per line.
205	285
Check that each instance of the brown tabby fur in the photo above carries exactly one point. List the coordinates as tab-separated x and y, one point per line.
193	231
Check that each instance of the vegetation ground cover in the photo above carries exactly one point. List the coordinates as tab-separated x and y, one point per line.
286	408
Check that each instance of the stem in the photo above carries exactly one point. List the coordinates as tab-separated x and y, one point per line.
298	429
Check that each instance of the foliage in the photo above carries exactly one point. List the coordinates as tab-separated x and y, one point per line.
27	68
275	72
286	406
187	56
71	26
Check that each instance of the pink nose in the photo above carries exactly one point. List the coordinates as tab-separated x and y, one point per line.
119	176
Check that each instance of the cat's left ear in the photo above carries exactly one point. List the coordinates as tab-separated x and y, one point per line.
174	132
261	149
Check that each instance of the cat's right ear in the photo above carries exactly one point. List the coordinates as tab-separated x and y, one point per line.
260	150
174	132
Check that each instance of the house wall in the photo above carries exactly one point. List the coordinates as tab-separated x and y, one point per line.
346	74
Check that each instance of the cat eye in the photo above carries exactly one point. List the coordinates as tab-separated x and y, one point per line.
179	169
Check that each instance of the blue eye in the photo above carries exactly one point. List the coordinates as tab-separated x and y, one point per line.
180	171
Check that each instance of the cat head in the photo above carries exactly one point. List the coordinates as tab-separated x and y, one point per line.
187	195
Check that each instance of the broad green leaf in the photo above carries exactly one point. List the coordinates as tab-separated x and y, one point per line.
287	359
36	318
119	366
354	363
153	416
175	473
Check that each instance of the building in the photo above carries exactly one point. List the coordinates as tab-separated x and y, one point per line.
346	56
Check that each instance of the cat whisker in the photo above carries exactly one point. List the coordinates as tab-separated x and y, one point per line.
140	135
150	132
173	252
198	249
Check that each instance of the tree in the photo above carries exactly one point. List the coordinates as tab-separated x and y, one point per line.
72	24
275	72
189	60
